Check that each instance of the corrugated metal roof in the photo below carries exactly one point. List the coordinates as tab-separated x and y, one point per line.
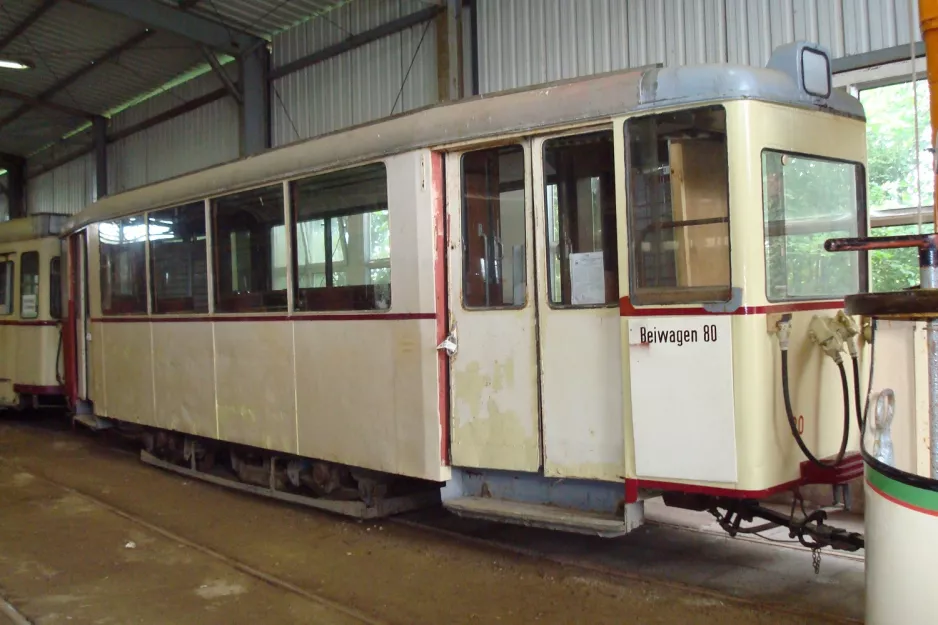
262	18
69	35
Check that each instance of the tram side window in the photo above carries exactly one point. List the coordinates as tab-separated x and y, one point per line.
177	259
29	285
55	287
342	240
679	207
580	199
123	266
494	249
807	200
242	247
6	287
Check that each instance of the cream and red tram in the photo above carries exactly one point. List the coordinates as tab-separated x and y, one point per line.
31	365
540	306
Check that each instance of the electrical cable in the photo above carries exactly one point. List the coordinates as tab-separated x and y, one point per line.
856	391
794	426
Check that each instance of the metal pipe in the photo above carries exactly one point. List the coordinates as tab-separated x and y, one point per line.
928	19
928	257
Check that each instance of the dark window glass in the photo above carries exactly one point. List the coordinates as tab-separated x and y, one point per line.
342	240
806	201
6	287
247	230
679	207
580	201
494	249
123	266
29	285
177	259
55	288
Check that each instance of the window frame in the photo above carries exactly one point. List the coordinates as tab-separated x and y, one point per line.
895	72
38	273
580	132
214	260
11	260
863	226
55	288
674	296
195	205
292	227
146	267
524	146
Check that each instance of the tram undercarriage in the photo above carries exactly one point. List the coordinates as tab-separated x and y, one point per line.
334	487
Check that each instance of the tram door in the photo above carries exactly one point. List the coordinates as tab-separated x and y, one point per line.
493	321
536	373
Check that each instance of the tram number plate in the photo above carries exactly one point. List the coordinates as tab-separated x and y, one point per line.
677	333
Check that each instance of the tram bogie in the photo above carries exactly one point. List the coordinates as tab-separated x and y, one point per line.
541	306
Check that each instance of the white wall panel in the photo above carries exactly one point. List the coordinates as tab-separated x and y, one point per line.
206	136
64	190
360	85
524	42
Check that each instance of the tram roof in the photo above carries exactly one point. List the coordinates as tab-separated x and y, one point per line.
785	80
32	227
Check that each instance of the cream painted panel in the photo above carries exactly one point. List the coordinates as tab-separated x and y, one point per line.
127	357
97	370
254	384
581	391
411	230
184	378
895	369
35	355
7	363
366	394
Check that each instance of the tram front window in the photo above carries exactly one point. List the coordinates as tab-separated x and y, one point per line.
807	200
679	207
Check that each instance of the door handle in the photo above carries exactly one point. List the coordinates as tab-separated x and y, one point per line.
449	343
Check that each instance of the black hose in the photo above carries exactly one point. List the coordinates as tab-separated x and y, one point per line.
856	392
794	426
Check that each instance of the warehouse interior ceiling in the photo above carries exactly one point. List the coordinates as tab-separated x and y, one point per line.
89	59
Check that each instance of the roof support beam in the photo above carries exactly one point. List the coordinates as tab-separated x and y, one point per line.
28	21
61	108
99	142
16	184
68	80
255	105
449	51
220	72
168	19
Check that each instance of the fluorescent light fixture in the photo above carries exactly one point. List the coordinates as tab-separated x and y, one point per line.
13	64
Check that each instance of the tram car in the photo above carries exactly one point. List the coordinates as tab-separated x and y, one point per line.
31	315
541	306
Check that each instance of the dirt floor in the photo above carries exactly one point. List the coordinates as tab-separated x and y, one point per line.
88	534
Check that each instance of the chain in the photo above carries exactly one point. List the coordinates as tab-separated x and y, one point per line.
816	560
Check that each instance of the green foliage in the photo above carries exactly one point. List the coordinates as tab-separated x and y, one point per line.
891	174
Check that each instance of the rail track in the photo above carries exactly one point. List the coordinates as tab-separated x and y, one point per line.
433	522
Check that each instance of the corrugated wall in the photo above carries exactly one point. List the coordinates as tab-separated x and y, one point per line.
524	42
200	138
64	190
357	86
